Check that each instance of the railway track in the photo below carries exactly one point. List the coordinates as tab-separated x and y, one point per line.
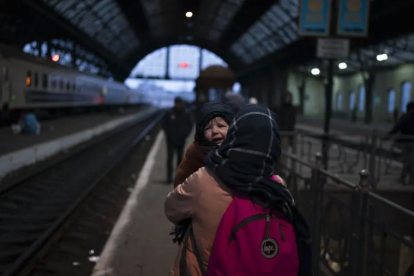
34	210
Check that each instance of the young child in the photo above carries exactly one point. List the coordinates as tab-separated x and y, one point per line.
213	121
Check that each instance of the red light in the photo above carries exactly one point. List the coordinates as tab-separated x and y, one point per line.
183	65
56	57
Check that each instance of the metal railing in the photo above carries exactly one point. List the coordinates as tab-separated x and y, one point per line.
355	231
387	160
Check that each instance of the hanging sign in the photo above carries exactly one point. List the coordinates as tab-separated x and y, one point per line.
314	17
353	17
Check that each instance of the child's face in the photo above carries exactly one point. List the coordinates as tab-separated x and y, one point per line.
216	130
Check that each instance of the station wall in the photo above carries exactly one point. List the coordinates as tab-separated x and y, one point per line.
387	80
314	92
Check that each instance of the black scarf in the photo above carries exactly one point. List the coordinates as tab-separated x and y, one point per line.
244	162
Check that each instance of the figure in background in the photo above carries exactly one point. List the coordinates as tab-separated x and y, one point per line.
405	127
253	100
177	125
287	116
354	114
236	101
395	115
28	124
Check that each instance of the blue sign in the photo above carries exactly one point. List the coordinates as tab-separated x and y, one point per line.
314	17
353	17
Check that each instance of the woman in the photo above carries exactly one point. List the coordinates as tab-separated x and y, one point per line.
213	122
242	164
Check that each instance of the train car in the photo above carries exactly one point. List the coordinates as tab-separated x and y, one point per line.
31	82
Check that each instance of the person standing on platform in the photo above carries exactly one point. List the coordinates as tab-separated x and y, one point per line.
177	125
395	114
355	114
405	127
287	116
236	101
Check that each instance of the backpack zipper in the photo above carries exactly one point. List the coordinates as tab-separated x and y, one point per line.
267	225
282	236
258	217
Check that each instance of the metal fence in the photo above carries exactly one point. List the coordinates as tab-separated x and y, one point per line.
355	231
388	161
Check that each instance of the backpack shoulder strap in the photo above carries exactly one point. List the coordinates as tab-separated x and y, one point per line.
196	252
183	259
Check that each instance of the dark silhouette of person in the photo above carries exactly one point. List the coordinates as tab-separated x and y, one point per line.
405	127
177	125
287	122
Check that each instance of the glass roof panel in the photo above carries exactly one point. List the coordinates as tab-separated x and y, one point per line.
101	20
271	18
258	51
272	31
271	44
238	50
153	11
225	14
247	40
259	31
292	6
280	14
405	55
289	29
204	20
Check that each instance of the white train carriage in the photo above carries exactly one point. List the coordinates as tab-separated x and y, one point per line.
28	81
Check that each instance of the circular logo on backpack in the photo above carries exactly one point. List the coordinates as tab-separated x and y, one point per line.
270	248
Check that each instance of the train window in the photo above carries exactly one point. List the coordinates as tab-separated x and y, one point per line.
45	81
68	86
29	78
54	83
36	79
61	84
74	86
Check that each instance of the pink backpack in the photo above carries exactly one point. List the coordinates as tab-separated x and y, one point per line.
252	240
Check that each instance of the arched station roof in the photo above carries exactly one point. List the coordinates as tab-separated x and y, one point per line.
247	34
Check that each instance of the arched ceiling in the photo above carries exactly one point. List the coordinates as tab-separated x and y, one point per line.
247	34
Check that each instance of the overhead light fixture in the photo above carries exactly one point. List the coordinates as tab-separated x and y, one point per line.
342	65
189	14
315	71
382	57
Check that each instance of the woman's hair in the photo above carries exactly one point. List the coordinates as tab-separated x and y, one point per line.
208	112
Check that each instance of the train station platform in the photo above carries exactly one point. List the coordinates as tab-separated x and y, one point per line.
140	243
18	151
344	125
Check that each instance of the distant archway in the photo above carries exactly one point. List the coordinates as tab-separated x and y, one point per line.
176	62
172	70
